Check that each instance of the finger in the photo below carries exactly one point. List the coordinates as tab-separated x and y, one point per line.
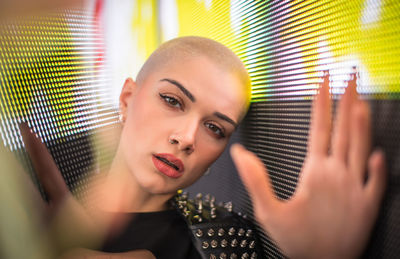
255	177
43	163
340	140
376	184
319	137
360	139
16	185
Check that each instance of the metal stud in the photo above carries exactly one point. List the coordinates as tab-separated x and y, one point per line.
249	233
186	212
214	243
243	243
210	232
200	206
199	233
221	232
224	243
205	245
182	204
234	243
198	218
213	213
252	244
228	206
241	232
233	256
254	255
245	256
231	231
207	198
213	256
222	256
212	202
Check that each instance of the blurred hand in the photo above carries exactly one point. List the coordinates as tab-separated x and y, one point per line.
67	223
333	209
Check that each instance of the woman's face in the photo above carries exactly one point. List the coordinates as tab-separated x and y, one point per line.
178	122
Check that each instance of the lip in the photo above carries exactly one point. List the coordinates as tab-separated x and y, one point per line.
168	165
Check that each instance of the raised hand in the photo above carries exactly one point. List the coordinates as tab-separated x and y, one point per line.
341	184
69	224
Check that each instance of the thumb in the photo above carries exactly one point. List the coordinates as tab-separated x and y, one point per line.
255	177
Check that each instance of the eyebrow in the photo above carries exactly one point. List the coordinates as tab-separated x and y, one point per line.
181	87
225	118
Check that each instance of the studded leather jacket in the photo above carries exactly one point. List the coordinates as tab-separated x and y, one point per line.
217	232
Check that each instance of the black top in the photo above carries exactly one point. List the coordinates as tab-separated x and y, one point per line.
164	233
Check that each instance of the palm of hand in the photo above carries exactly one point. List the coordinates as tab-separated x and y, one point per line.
334	207
325	214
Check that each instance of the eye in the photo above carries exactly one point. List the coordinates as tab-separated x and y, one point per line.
215	130
171	101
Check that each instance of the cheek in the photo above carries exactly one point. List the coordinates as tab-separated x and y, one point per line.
145	118
208	152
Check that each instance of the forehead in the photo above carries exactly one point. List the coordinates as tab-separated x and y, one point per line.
210	83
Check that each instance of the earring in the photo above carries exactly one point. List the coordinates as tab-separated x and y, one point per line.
208	171
121	118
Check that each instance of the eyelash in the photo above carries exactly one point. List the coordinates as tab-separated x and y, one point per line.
175	103
171	101
217	130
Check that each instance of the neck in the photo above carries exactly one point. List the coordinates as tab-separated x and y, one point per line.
120	192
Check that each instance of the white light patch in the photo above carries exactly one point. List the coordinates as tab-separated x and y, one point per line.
207	3
121	59
169	19
371	12
340	69
235	16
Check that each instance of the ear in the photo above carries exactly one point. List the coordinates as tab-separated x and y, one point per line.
126	96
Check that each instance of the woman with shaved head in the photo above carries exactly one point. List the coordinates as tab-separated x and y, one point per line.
177	118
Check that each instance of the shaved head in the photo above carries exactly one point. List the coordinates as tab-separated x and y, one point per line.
183	48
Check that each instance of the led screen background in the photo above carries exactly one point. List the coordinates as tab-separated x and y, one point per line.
63	72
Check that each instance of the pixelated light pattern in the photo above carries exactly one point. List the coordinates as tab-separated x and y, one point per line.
287	44
48	76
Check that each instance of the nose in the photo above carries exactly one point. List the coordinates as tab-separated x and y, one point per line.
185	137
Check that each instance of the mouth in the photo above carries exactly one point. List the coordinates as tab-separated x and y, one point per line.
171	164
168	164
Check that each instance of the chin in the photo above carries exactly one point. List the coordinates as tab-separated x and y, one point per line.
157	184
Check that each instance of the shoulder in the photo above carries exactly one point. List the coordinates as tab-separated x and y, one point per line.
217	231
